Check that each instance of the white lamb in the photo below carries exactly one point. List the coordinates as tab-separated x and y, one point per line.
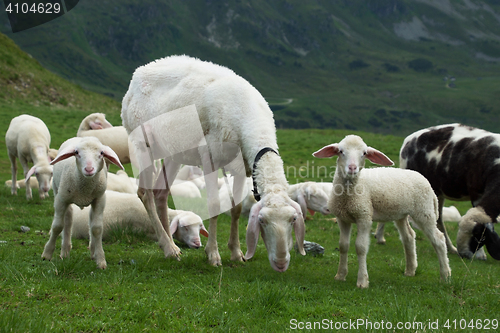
28	139
234	121
124	209
80	178
311	197
115	137
381	194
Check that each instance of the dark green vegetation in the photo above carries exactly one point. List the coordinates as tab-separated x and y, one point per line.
373	65
142	291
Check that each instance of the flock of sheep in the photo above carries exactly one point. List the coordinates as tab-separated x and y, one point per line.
182	111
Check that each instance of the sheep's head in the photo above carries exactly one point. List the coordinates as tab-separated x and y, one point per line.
89	153
274	217
94	121
352	152
187	227
314	199
475	229
43	174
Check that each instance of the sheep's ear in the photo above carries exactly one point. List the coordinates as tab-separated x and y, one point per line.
327	151
378	157
30	173
95	125
203	231
301	200
299	228
112	157
64	154
253	230
174	224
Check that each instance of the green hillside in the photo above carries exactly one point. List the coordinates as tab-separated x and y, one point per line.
389	66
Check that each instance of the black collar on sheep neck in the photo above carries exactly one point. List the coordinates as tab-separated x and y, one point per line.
261	152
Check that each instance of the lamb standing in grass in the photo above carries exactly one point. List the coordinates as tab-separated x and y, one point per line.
380	194
28	139
124	209
115	137
82	181
232	117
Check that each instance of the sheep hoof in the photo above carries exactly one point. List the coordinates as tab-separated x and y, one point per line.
362	285
407	273
214	259
237	256
339	278
102	265
46	257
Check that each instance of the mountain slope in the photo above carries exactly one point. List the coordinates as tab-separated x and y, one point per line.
375	65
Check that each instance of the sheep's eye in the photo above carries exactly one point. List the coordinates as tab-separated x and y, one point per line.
102	153
76	152
341	152
261	221
364	153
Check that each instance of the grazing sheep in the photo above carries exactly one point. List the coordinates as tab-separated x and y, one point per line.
381	194
80	178
198	113
461	163
28	139
124	209
115	137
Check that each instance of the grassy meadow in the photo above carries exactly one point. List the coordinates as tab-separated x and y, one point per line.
142	291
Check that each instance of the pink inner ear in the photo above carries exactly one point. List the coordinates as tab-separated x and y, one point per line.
378	157
95	126
327	151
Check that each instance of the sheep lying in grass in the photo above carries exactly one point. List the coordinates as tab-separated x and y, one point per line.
115	137
124	209
80	178
230	115
28	139
381	194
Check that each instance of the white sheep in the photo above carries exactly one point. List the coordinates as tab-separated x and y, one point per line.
193	174
198	113
28	139
381	194
124	209
80	178
311	197
115	137
120	182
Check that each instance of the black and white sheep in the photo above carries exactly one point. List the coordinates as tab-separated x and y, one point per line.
461	163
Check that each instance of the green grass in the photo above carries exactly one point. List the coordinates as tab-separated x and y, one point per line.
141	290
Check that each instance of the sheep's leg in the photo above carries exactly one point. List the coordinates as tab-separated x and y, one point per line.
66	233
26	168
145	193
96	229
438	241
234	239
408	239
442	228
362	245
161	191
379	234
56	228
344	240
210	172
13	168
